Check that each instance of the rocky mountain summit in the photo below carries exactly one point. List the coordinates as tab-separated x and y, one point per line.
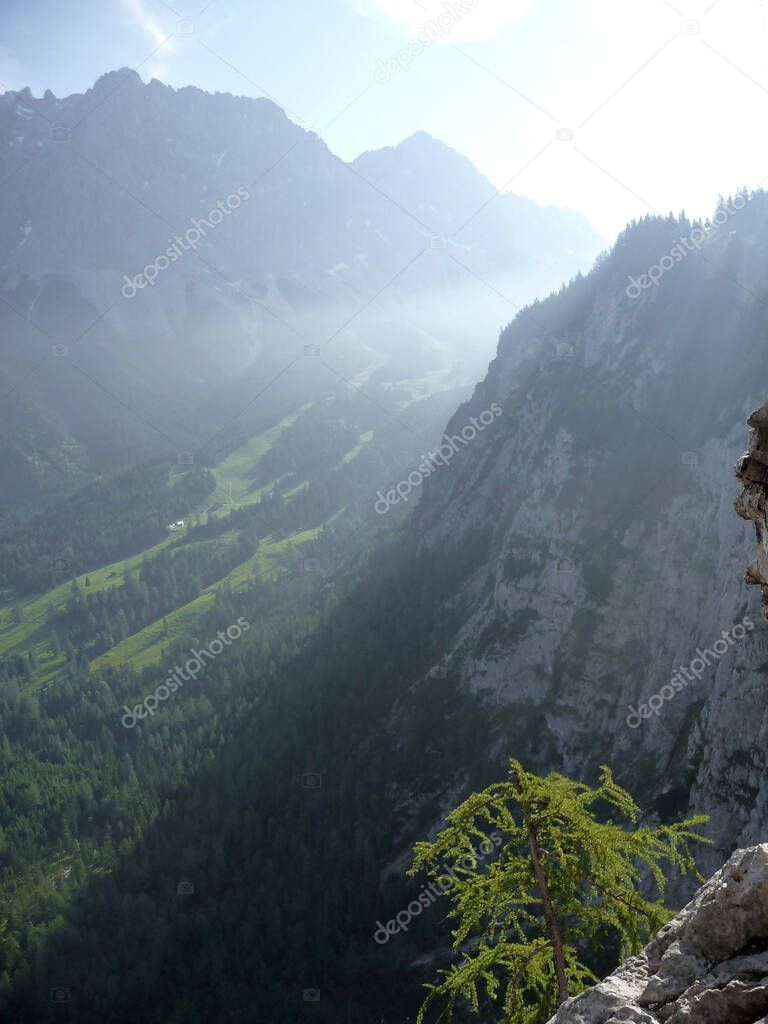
708	965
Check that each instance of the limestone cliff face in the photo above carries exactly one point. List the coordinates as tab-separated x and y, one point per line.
709	965
607	617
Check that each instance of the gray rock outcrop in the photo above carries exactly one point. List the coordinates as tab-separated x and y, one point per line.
708	965
752	471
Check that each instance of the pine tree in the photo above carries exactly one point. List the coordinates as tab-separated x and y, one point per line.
566	878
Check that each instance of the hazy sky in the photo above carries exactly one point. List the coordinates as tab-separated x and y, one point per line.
667	101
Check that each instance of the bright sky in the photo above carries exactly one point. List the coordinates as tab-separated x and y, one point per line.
667	101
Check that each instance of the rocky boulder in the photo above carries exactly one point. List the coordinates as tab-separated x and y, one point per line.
708	965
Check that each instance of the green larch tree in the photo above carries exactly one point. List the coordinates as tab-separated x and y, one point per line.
567	878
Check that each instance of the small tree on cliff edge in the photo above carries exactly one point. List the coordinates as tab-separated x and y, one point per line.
562	881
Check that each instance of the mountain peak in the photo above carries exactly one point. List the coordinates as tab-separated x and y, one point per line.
112	79
420	142
423	150
420	138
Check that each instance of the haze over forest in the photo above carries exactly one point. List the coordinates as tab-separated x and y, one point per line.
372	376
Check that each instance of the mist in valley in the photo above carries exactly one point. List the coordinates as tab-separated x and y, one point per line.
372	378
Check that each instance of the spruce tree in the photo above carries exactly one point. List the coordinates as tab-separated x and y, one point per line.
566	878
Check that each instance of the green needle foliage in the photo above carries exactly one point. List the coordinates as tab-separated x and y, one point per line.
566	878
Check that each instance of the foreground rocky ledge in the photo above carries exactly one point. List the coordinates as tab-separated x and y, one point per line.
708	965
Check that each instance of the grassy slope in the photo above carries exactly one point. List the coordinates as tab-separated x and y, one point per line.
364	440
146	647
33	633
234	471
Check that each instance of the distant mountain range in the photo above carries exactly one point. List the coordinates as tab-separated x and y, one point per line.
97	185
172	240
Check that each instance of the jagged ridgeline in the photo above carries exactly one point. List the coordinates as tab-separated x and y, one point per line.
570	559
